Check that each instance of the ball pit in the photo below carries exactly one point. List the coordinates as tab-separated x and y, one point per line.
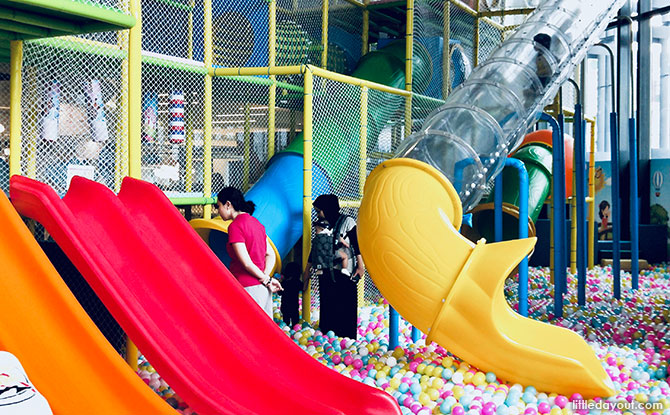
630	337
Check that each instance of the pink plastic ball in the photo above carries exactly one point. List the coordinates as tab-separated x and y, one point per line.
458	410
543	408
561	401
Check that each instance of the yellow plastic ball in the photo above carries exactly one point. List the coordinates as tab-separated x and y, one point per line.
447	361
433	394
428	371
479	379
421	368
467	377
458	392
437	383
424	398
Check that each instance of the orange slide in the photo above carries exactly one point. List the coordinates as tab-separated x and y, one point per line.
65	356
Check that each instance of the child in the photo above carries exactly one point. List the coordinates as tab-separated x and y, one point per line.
289	297
323	246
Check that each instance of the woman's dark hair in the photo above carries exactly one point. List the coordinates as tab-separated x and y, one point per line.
603	205
330	205
236	198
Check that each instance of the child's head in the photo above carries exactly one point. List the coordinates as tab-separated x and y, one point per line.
543	39
321	225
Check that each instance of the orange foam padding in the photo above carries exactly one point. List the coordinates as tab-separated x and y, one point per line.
184	310
64	354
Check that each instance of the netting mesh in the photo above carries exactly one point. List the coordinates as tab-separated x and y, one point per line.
4	130
240	33
117	5
345	34
490	37
165	27
240	126
432	20
172	126
299	27
73	121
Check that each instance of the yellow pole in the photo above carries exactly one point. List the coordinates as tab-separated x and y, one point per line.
363	146
446	49
31	151
134	120
476	36
592	196
363	170
247	147
190	30
272	56
366	27
15	66
307	186
207	102
324	35
135	93
122	141
409	52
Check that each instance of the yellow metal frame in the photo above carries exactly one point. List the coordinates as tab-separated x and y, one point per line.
31	144
324	34
446	65
15	82
272	58
307	185
409	53
207	127
134	107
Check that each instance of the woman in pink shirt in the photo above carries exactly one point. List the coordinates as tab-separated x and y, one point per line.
252	256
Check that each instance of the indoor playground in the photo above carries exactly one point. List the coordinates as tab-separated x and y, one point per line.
506	162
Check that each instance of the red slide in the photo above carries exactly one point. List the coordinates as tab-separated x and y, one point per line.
184	310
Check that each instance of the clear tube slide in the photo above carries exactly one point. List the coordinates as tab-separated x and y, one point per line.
469	136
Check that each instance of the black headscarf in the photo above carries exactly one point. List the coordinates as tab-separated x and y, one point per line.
330	205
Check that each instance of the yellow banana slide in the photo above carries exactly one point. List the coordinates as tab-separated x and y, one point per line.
452	289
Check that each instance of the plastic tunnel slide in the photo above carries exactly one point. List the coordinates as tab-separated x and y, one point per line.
278	193
64	354
185	311
536	154
407	225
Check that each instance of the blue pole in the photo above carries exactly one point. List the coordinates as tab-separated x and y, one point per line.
560	176
616	206
523	231
416	334
497	212
580	180
394	319
558	199
634	206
